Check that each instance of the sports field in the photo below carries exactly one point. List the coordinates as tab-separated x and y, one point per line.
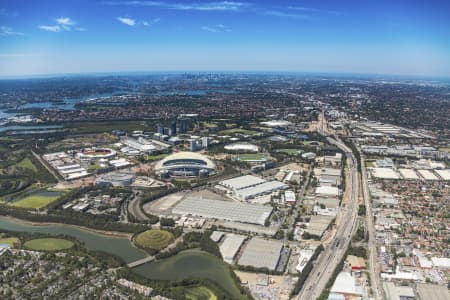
10	241
48	244
154	239
200	293
36	200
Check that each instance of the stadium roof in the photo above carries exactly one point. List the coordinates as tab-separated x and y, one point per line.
185	156
225	210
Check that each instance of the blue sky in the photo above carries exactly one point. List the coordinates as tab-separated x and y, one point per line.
381	37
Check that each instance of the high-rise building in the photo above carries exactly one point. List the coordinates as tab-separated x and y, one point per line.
160	128
194	145
183	125
205	142
173	128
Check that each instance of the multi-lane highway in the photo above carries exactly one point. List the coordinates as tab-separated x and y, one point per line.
373	263
335	251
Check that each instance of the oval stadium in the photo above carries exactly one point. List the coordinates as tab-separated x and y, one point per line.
185	164
95	153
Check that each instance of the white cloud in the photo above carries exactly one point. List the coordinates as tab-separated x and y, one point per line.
65	23
314	10
151	22
126	21
11	55
216	28
282	14
206	6
52	28
62	24
8	31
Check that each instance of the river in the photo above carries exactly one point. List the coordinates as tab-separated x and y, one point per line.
187	264
119	246
191	264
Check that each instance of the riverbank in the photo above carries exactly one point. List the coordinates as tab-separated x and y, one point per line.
40	224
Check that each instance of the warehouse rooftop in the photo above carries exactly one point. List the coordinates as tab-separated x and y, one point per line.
224	210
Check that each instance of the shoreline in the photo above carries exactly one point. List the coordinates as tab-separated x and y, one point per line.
99	231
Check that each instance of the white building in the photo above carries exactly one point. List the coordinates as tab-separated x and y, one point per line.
230	246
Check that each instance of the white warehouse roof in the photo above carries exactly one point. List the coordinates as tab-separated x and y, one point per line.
327	191
345	284
230	246
385	173
242	182
408	173
225	210
261	189
427	175
261	253
444	174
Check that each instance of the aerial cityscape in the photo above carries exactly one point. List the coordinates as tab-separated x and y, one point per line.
225	150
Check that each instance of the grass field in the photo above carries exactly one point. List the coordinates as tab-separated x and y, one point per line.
238	130
289	151
10	241
209	125
35	201
200	293
155	157
26	163
48	244
370	164
250	157
154	239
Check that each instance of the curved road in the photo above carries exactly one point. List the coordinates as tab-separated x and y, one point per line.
134	208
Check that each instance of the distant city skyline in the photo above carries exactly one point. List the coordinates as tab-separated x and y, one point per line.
381	37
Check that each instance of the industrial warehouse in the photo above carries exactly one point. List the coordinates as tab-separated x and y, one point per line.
185	164
261	253
249	186
223	210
